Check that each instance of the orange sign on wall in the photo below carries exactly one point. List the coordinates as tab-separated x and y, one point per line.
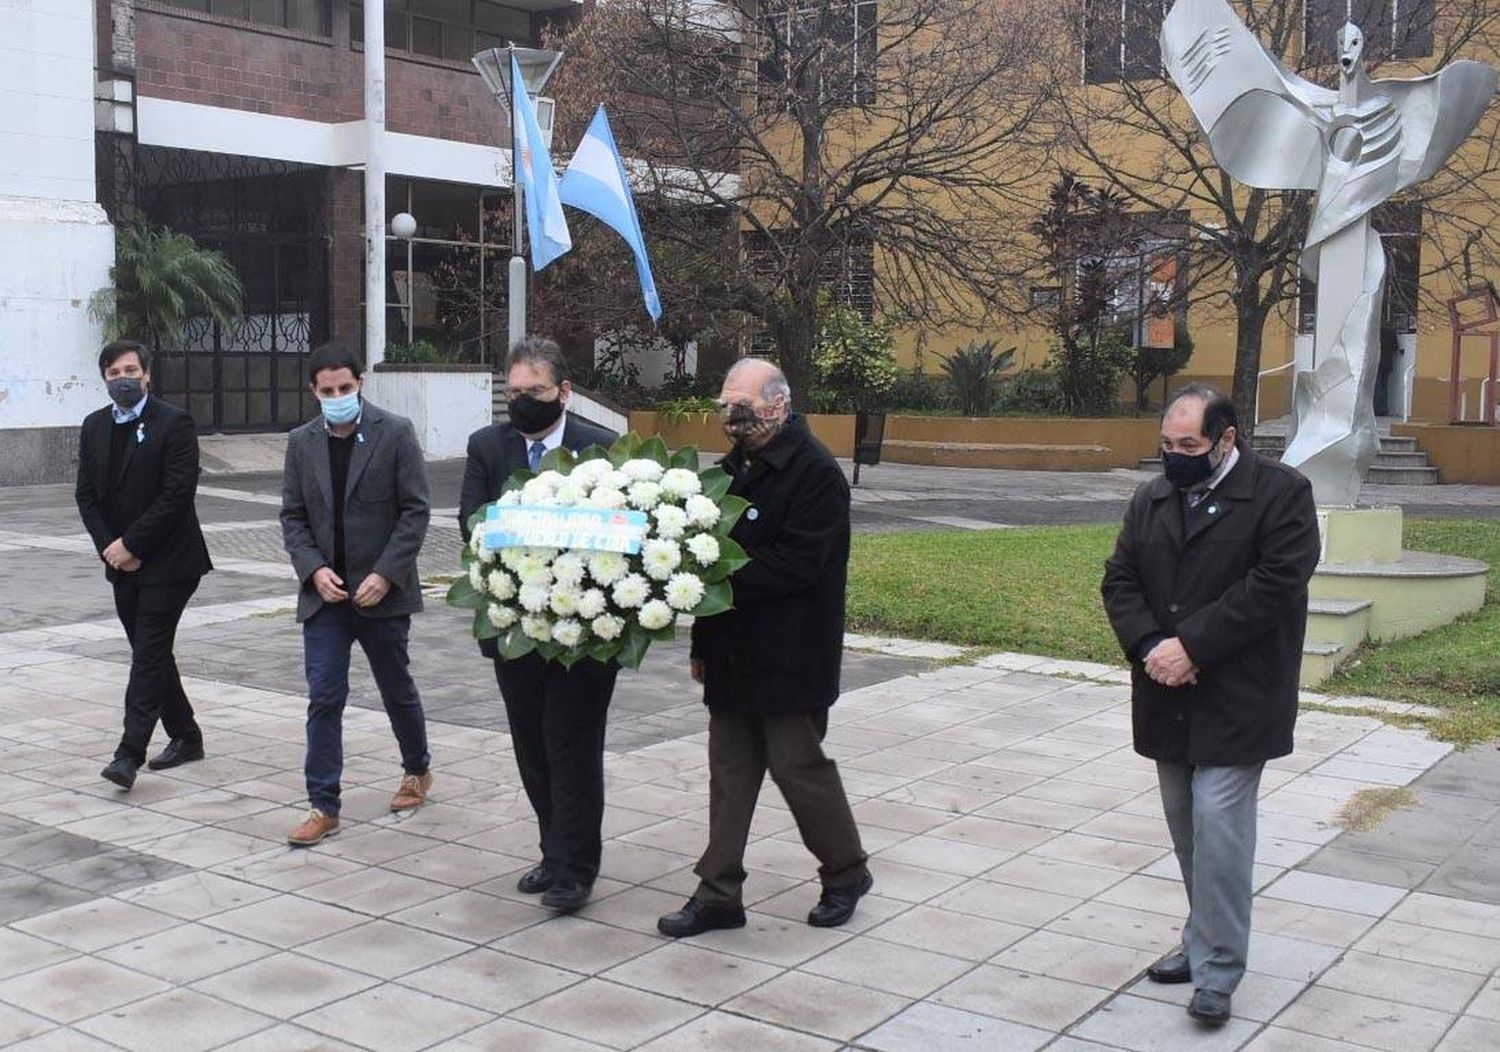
1160	328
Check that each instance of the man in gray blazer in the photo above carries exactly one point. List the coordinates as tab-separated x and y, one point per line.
354	511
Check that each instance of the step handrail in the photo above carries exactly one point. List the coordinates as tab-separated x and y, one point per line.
1261	376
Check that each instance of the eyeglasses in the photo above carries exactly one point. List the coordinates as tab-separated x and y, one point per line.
535	392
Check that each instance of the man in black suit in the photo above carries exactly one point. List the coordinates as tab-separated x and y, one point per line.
1207	593
137	476
557	715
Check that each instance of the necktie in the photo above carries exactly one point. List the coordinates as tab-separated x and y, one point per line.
534	455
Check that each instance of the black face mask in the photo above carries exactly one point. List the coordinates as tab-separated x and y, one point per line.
1185	471
126	391
743	425
532	415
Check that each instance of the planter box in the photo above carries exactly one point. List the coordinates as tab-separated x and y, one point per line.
835	431
445	403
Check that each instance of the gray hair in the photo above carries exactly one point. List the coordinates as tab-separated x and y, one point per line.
775	382
539	350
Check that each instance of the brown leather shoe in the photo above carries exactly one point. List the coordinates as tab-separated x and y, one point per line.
314	828
413	792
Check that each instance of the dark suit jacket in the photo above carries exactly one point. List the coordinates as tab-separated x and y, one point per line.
1233	589
385	510
154	489
495	454
780	649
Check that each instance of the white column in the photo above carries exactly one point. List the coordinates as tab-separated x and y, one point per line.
374	181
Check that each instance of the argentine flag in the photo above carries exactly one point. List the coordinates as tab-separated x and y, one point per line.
534	175
595	182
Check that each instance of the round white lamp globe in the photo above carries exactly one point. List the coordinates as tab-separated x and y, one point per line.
404	225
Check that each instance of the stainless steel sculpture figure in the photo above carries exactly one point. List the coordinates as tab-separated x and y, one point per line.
1356	147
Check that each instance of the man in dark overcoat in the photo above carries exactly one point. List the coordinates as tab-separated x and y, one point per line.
1207	592
770	667
137	481
557	715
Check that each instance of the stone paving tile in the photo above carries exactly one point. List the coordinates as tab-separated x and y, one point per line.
190	1021
186	953
924	1027
722	1032
1471	1035
76	989
1366	1020
392	1018
608	1013
1021	997
1143	1025
826	1007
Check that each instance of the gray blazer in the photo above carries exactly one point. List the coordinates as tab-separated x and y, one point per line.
385	510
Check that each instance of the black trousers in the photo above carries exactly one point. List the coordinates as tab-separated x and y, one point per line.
150	614
742	747
557	719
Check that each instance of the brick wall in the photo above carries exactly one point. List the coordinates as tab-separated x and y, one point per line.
215	61
346	320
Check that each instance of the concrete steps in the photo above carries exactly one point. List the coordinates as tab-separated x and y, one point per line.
1335	629
1398	463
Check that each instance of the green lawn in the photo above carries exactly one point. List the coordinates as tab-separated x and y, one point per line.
1037	591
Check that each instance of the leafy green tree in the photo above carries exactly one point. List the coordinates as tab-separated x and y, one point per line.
161	279
855	360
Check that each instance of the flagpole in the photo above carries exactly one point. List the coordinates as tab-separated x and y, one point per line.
516	293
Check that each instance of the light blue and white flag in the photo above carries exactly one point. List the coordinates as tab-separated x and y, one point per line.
534	175
596	183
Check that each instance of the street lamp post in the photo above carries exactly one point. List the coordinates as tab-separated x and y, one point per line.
536	66
404	226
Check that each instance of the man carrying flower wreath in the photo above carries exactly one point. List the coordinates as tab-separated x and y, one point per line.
556	714
770	666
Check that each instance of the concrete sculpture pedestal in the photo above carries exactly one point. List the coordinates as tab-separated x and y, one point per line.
1367	587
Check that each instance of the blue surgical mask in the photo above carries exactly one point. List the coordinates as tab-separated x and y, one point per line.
341	410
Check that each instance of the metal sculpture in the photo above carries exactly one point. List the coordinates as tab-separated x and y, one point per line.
1357	147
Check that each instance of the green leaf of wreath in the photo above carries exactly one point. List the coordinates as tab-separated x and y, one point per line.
463	594
730	510
655	448
515	643
634	646
484	628
686	457
716	483
718	598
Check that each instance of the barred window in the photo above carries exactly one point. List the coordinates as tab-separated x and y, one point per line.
1121	40
449	29
844	31
306	16
1393	28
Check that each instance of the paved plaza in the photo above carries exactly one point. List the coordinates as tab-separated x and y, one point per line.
1022	875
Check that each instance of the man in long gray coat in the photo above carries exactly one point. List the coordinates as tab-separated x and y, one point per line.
1207	593
354	511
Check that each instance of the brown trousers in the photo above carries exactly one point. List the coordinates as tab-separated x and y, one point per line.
741	749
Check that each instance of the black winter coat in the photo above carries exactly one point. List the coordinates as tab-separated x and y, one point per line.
1233	589
780	649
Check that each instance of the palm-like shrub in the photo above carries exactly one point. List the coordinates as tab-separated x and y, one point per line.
971	372
162	279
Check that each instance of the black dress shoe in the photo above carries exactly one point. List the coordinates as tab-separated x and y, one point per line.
566	896
1209	1006
837	904
120	771
178	752
535	880
696	917
1173	968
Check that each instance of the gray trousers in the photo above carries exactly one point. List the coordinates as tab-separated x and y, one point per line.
1211	815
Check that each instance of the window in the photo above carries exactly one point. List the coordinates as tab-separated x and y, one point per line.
306	16
1121	40
844	31
448	29
846	272
1393	28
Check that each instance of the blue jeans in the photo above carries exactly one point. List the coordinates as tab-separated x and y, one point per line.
327	638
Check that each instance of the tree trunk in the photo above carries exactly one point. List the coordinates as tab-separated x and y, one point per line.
1250	314
795	334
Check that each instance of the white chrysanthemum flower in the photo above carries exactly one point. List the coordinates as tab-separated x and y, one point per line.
476	545
537	627
568	632
681	483
564	600
659	558
568	568
642	469
551	479
606	498
644	495
572	493
592	603
631	591
701	512
534	492
501	617
511	498
607	627
671	521
511	558
534	571
544	554
608	567
704	547
684	591
476	577
616	480
501	585
656	615
591	471
534	597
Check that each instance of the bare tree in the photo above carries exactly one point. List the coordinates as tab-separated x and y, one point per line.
860	151
1129	127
